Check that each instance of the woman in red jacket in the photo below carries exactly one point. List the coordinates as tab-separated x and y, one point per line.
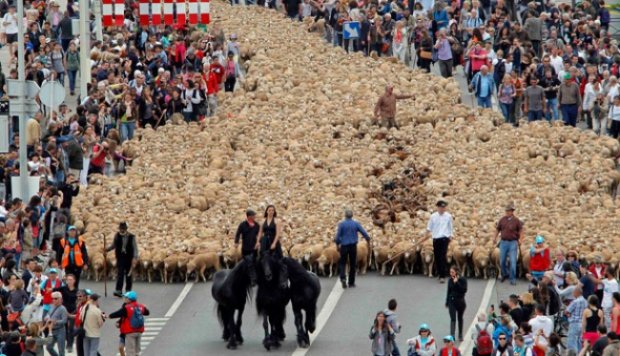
540	260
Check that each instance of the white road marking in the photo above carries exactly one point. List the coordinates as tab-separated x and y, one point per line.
180	298
467	345
324	314
158	319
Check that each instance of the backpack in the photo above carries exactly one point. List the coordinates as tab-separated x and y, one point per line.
137	318
484	343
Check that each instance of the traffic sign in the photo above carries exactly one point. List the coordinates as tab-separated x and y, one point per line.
27	107
52	94
16	88
351	30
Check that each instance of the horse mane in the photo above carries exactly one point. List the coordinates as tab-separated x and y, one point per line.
296	272
239	271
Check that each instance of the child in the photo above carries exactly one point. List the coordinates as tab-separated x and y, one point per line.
391	319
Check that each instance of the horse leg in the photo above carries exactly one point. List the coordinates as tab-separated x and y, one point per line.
274	320
266	340
301	342
232	340
238	325
280	334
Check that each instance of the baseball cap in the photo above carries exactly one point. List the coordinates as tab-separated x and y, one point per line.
540	239
449	338
71	227
424	327
53	270
131	295
567	76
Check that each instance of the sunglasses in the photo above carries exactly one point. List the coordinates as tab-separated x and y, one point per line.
55	298
502	338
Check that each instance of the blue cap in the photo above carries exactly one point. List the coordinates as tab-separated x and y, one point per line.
540	239
131	295
71	227
449	338
88	292
424	327
53	270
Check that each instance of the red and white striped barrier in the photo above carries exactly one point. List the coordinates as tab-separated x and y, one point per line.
145	15
205	18
156	8
168	12
181	12
107	13
119	12
193	12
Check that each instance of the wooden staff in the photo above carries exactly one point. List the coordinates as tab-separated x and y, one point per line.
403	252
105	268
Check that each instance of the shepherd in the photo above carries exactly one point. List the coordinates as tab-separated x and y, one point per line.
386	107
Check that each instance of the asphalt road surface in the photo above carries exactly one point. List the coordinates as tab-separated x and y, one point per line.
183	316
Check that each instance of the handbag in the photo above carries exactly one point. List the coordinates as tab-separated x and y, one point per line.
426	54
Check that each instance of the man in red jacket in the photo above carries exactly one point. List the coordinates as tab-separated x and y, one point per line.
540	258
130	329
215	78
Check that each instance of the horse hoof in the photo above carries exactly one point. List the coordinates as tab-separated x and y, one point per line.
240	340
267	344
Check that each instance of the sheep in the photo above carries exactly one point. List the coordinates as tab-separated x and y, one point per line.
428	258
329	257
481	259
232	256
201	263
381	258
363	257
311	255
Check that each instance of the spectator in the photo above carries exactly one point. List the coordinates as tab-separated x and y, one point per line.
449	348
534	100
455	300
483	86
610	286
503	348
82	300
92	321
592	317
506	97
36	334
574	312
57	318
601	343
570	100
540	258
542	326
392	319
423	344
614	345
516	313
614	116
69	293
597	271
30	348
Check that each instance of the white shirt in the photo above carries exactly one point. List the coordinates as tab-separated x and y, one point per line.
590	94
10	23
440	225
609	287
558	273
557	63
612	92
544	323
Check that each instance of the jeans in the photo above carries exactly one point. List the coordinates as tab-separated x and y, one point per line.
395	350
91	346
348	252
132	344
535	115
440	249
61	78
569	114
506	111
508	249
127	129
551	112
70	332
574	337
72	76
59	336
484	102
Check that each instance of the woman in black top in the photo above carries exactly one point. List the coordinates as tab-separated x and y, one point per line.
455	300
270	233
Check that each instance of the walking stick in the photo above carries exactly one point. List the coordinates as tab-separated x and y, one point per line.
105	268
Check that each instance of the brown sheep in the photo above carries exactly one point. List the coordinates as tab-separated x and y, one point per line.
462	256
381	258
481	260
428	258
329	257
232	255
201	263
363	257
311	255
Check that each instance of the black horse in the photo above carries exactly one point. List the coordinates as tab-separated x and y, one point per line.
272	297
231	289
305	289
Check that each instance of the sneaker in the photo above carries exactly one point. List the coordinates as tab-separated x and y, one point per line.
513	283
344	284
441	280
503	279
118	293
69	349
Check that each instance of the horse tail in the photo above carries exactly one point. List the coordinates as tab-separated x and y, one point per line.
220	312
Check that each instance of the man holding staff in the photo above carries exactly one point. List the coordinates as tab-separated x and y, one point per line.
440	228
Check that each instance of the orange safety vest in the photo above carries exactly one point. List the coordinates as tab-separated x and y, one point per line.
77	252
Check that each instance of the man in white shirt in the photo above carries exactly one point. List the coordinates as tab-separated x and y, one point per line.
543	323
440	229
10	25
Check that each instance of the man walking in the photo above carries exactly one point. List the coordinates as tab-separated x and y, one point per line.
248	233
569	98
392	319
57	318
574	313
440	229
386	107
534	100
510	228
126	251
346	241
131	316
483	86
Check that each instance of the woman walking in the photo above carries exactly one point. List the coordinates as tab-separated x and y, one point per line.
270	233
382	336
506	96
455	300
72	58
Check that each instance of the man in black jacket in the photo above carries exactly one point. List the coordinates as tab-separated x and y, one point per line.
248	233
126	252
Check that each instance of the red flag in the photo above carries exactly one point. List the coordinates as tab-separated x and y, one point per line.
156	11
205	18
193	12
119	12
145	16
168	12
107	13
181	13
